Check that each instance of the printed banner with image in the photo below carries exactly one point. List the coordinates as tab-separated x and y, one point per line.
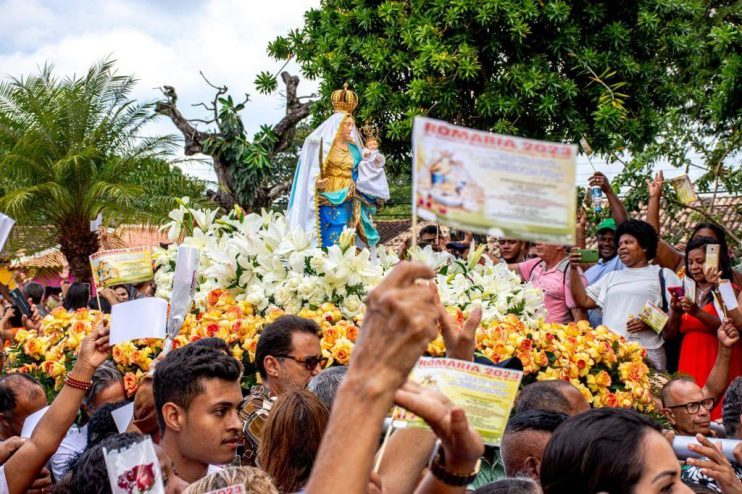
485	393
684	189
113	267
494	184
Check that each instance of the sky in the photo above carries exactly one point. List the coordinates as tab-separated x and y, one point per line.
167	42
161	42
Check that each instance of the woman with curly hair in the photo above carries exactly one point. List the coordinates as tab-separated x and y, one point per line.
622	294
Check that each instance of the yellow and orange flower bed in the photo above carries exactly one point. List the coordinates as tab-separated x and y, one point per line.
607	370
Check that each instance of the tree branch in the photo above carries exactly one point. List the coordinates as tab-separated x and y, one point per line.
296	111
194	138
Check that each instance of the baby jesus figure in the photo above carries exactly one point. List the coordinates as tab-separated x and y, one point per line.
371	176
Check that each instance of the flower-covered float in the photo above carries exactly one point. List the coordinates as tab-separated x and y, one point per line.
253	269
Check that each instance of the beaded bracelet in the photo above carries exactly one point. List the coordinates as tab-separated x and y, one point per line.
77	384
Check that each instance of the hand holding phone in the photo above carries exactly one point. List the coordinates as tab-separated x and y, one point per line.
677	291
712	255
18	300
588	256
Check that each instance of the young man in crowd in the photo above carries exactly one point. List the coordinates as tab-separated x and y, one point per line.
686	404
288	355
512	251
525	439
197	393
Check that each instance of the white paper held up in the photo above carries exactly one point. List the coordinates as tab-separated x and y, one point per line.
32	421
141	318
122	416
727	295
6	224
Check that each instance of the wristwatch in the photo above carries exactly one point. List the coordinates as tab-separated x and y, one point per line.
438	469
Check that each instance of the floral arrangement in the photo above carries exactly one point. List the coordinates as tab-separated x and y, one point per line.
264	262
254	268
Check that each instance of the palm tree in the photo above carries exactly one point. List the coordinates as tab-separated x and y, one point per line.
69	150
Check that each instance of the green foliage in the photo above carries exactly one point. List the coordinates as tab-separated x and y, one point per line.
704	132
644	81
72	148
230	145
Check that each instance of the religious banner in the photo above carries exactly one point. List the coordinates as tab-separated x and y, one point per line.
113	267
485	393
498	185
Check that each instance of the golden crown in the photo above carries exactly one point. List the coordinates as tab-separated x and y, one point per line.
371	132
344	100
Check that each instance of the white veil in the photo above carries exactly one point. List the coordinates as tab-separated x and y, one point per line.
301	211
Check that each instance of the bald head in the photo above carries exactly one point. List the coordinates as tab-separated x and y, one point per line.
680	397
554	395
525	439
20	396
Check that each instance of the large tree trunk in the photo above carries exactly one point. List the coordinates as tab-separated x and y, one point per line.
78	243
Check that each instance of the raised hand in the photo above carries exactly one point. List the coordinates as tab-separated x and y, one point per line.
401	318
94	348
715	466
600	180
581	219
461	444
655	186
727	334
460	339
712	274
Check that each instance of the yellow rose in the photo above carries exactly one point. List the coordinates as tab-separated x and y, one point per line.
342	350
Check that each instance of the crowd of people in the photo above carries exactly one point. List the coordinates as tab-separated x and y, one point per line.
308	429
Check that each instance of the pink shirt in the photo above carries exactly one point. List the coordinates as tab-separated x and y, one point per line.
555	283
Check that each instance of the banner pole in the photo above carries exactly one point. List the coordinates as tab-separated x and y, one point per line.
97	292
414	229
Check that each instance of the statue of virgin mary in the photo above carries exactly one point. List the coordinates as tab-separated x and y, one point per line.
324	199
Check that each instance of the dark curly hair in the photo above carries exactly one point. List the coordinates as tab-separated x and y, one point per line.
178	377
88	474
598	450
102	424
643	232
732	408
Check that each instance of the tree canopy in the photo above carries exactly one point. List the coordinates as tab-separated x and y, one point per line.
625	75
73	148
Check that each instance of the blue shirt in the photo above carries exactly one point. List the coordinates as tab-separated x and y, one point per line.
594	274
602	268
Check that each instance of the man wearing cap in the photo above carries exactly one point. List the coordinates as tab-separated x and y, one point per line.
608	261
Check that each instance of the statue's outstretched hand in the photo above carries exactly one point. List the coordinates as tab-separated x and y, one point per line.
321	183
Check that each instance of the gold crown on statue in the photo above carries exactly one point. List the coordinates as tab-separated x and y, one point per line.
371	132
344	99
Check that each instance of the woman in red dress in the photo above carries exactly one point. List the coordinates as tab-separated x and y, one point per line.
700	319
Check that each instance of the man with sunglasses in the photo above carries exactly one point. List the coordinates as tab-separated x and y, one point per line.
288	355
686	404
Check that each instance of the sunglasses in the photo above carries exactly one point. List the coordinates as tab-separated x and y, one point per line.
310	363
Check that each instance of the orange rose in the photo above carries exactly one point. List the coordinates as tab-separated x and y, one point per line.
214	295
352	333
131	384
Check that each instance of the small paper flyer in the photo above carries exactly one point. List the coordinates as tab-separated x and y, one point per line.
486	393
684	189
690	288
135	469
113	267
654	317
497	185
727	295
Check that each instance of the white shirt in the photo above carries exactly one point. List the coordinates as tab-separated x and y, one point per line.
4	489
74	443
621	294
